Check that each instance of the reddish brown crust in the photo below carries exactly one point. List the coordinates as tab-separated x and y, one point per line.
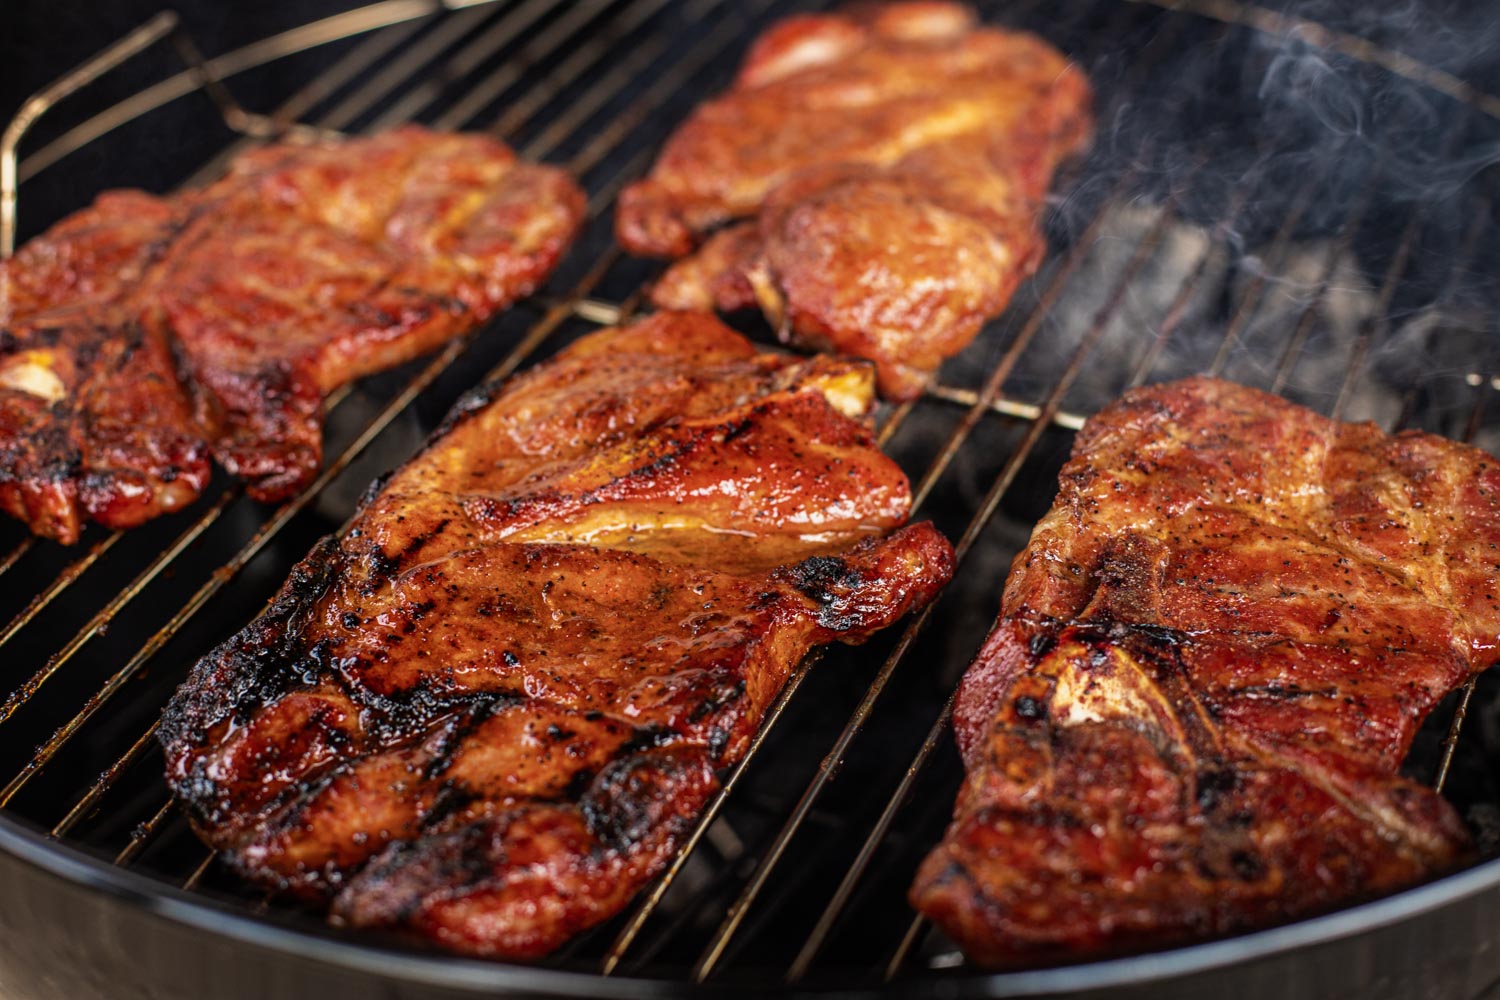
118	459
488	714
219	319
83	450
716	277
508	885
891	162
1210	663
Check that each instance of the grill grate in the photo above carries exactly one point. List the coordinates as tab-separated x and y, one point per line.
790	874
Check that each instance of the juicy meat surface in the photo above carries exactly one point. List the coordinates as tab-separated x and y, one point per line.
1210	663
489	713
94	420
144	334
880	175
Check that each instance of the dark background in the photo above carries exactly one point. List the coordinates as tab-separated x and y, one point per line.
41	40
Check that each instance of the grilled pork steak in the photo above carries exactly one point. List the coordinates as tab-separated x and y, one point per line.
1210	662
880	173
142	334
488	714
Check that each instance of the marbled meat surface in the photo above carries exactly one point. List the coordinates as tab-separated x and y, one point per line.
1209	665
489	713
872	181
145	335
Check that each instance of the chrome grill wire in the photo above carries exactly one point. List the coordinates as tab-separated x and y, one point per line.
610	47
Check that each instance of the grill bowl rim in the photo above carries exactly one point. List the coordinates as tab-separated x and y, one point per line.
203	913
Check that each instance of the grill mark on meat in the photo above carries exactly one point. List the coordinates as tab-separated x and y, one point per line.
880	198
214	322
254	664
1214	662
493	742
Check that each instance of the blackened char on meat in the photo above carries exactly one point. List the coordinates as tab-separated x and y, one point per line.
489	713
1210	662
143	335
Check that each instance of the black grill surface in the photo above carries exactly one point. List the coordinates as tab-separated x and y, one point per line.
1262	202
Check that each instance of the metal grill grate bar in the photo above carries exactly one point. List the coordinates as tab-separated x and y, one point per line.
323	86
468	58
989	396
11	173
1467	250
1468	247
623	69
309	36
1218	246
393	75
14	555
142	834
102	618
60	583
729	29
1340	248
583	57
1369	327
651	898
1378	322
1280	245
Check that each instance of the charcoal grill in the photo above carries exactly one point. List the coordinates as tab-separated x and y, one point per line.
1344	268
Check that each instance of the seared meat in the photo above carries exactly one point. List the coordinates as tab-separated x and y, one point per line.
488	714
94	421
1210	662
145	332
889	163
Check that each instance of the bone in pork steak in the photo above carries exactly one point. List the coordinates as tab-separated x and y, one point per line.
1210	663
490	712
880	175
143	334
